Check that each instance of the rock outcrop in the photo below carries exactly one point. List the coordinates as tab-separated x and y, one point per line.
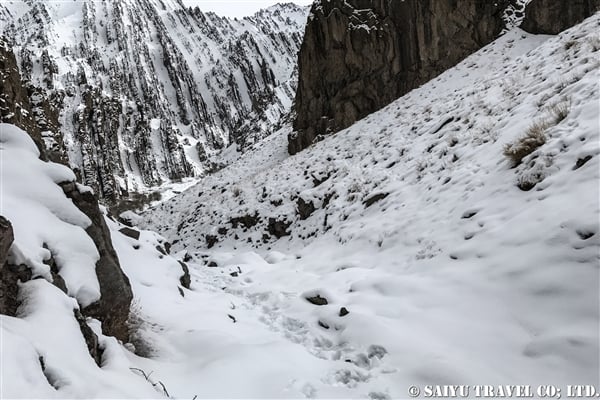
359	55
116	295
8	275
6	238
31	112
554	16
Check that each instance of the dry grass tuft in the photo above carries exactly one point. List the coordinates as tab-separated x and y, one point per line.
536	134
524	146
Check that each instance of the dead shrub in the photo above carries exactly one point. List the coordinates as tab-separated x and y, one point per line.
527	144
560	111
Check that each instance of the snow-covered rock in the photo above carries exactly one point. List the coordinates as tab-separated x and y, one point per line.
48	349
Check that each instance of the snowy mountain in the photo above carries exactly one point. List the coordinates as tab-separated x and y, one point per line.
144	92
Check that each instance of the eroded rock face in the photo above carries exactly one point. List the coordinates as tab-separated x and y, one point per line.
359	55
29	108
554	16
116	295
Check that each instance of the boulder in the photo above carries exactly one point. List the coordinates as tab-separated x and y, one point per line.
305	208
10	275
278	228
317	300
132	233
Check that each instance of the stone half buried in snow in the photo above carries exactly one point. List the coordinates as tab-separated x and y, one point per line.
9	275
185	279
317	300
132	233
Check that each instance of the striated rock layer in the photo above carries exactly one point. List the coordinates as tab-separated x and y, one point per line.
359	55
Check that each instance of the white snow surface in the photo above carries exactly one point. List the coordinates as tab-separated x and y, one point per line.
46	223
457	276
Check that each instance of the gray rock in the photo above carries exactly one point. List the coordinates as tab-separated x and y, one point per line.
278	228
185	279
91	340
317	300
554	16
132	233
28	108
359	55
10	275
305	208
6	238
115	290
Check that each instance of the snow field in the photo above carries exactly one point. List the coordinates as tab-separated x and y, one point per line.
454	266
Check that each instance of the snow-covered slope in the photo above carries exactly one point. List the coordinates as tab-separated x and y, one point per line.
148	91
43	352
441	261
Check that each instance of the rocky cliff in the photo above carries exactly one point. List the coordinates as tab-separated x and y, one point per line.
554	16
22	105
359	55
149	91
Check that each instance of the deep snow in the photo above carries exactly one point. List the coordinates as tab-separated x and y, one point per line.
457	276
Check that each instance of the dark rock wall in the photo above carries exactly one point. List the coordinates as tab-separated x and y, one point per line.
116	295
8	280
28	107
554	16
359	55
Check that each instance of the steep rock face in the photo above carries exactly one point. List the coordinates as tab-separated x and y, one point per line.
554	16
116	295
359	55
149	91
27	108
